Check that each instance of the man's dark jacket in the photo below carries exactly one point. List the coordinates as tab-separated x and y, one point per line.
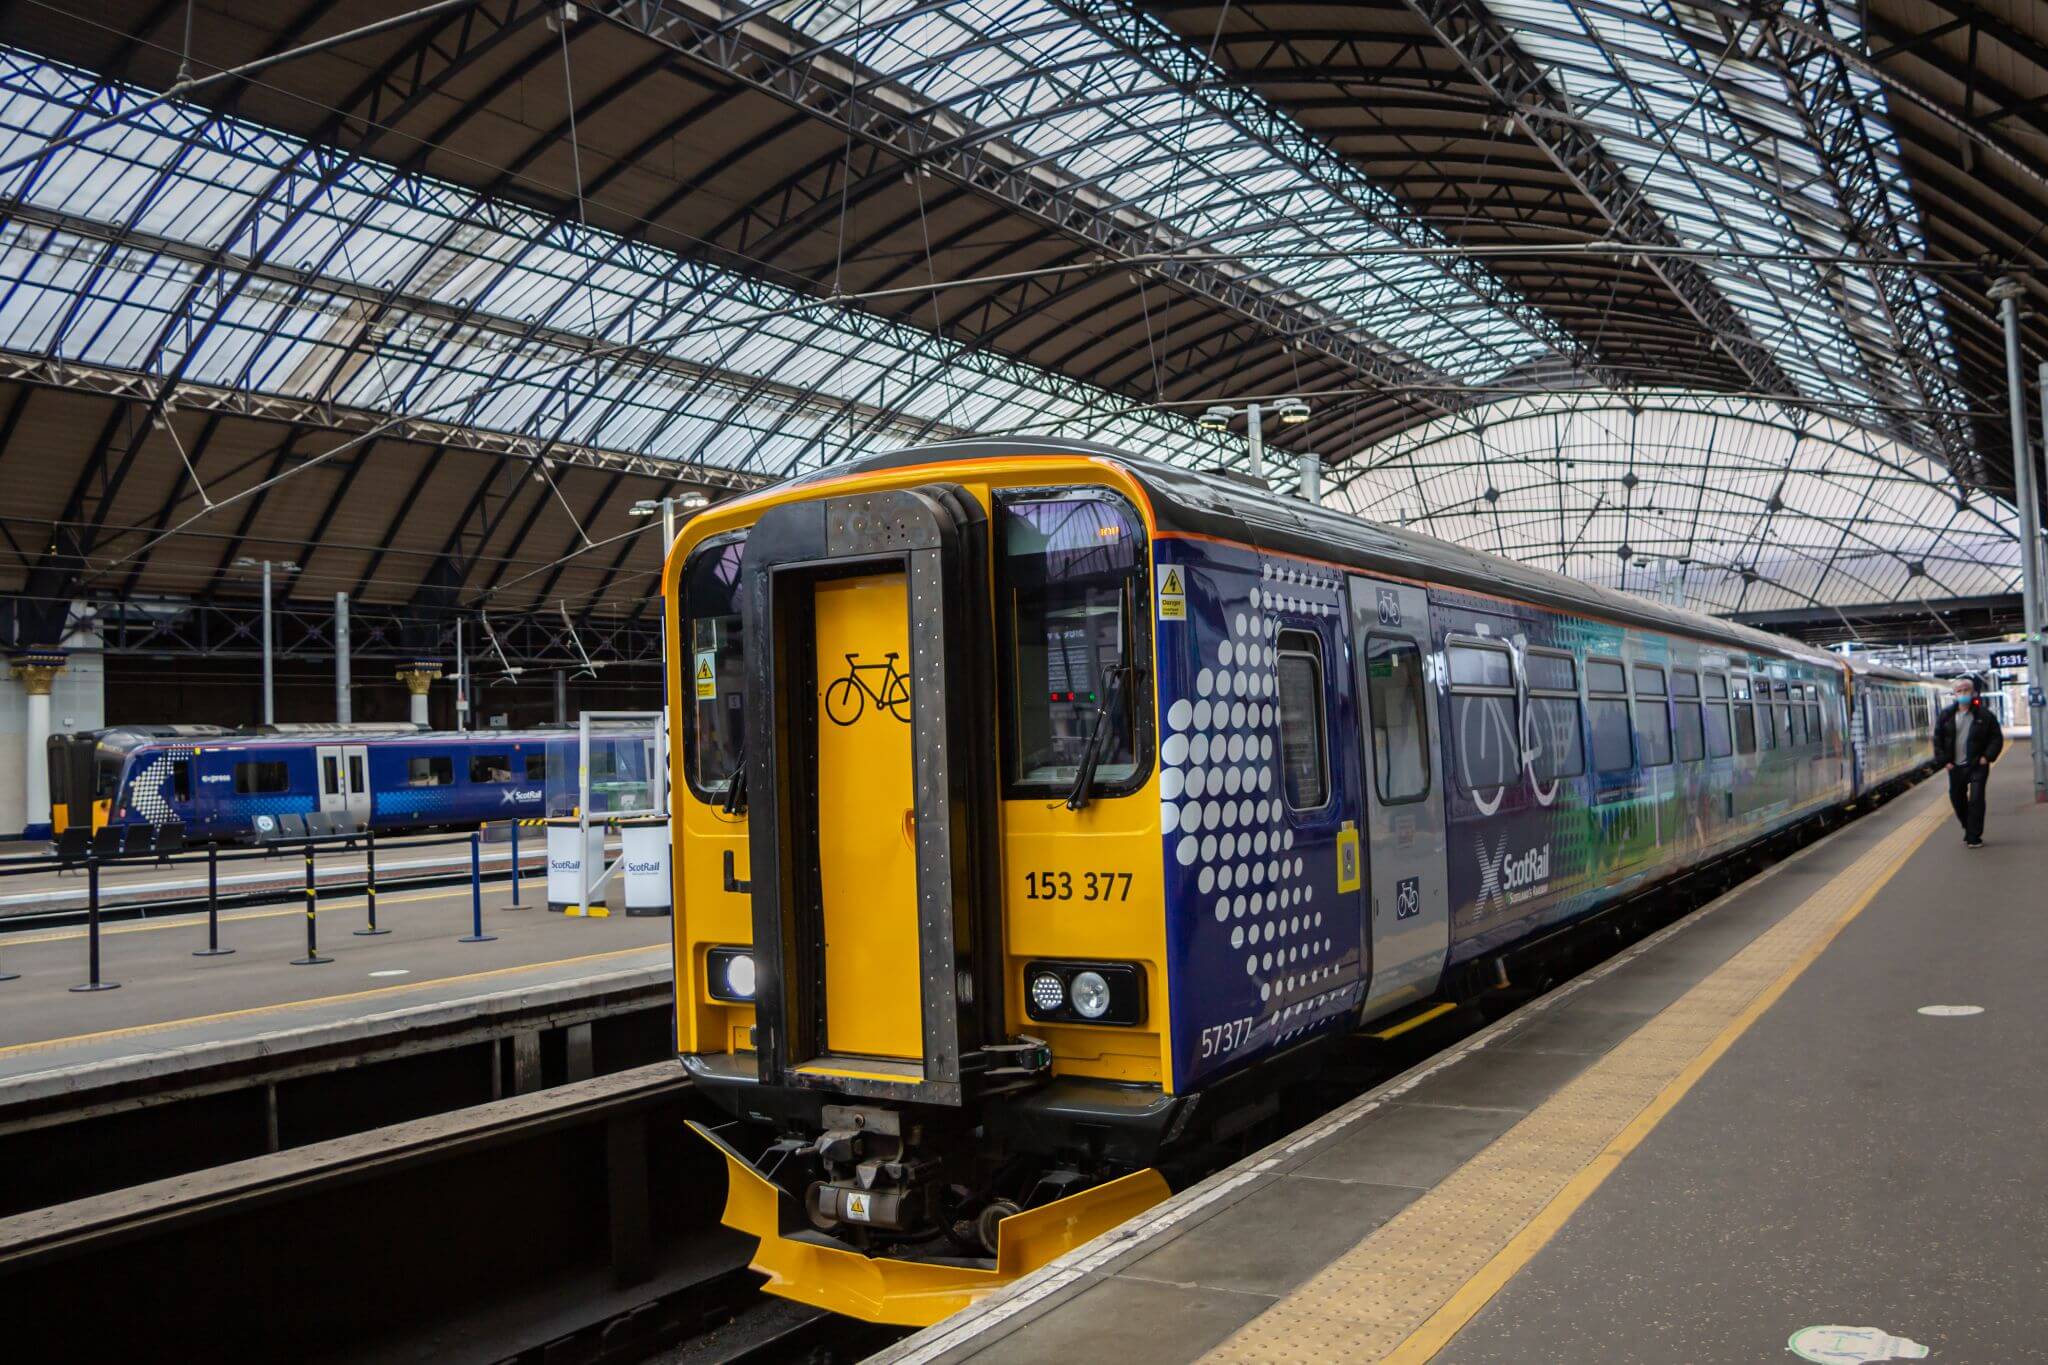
1986	739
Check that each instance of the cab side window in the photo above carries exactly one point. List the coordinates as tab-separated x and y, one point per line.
1304	749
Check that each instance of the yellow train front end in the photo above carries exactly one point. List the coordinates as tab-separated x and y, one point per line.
920	947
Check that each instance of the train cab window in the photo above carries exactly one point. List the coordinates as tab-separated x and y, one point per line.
181	779
1745	719
1688	724
490	768
1304	757
1653	717
1071	584
1395	699
714	723
1607	713
537	766
1553	728
429	770
1720	738
1484	726
262	777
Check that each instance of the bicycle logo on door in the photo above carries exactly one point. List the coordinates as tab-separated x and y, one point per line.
847	698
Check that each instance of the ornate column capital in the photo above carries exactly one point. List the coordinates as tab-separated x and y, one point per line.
420	675
37	669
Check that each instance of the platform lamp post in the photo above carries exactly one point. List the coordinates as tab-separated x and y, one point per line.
2006	291
667	506
1292	412
269	670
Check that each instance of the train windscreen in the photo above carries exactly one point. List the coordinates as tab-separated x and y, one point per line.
1072	577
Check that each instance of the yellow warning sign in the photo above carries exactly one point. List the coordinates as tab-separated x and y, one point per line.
1173	593
707	679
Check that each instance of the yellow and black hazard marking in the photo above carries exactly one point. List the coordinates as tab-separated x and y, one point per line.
1173	592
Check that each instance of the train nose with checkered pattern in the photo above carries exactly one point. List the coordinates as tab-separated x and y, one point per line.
1041	812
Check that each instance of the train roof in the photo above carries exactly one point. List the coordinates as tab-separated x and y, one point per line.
1866	668
125	737
1233	508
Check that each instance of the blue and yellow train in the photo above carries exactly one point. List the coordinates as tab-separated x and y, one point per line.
206	782
1042	810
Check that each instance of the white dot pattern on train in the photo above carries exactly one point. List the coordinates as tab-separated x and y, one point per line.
1221	809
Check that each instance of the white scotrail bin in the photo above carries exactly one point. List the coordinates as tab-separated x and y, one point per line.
565	868
645	872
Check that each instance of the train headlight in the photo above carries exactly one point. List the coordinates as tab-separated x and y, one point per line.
1085	992
1090	995
730	974
1048	994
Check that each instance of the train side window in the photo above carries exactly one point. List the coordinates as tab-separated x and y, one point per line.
1304	766
1795	717
1766	728
490	768
1653	717
1813	714
1720	738
1483	721
181	779
1395	698
1786	739
1607	711
262	777
1745	719
537	766
1688	723
429	770
1553	728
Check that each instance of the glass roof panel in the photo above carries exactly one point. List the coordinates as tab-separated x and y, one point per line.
368	288
1069	95
1752	508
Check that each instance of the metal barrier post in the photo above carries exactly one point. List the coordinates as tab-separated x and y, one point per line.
92	929
370	884
212	948
312	957
515	861
476	893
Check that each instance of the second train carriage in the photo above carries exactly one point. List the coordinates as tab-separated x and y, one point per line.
1039	807
221	784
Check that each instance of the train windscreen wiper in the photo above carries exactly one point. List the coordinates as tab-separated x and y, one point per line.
1116	675
735	802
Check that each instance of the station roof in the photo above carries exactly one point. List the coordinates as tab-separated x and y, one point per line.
701	245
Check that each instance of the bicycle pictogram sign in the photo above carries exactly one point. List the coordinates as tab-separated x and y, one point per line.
847	698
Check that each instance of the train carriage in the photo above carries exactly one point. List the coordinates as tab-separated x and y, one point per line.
213	783
1040	810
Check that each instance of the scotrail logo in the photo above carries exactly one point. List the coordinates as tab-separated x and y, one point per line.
1506	879
514	797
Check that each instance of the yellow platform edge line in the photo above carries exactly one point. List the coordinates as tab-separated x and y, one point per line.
1443	1325
43	1044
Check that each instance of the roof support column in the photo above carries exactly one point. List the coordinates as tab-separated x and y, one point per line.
2007	291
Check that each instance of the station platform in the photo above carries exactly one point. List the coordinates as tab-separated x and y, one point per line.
1802	1123
171	1002
399	858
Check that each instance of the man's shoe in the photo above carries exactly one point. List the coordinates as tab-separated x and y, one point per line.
1973	843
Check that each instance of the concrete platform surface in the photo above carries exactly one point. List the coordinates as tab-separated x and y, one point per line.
1747	1138
170	999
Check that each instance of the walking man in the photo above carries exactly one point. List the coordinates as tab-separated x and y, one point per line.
1967	739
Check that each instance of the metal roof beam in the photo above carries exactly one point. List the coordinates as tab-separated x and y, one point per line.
1490	54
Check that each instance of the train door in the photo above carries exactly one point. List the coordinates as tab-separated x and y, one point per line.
1408	926
344	781
870	768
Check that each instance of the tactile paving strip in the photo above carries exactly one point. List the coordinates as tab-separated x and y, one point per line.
1390	1297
